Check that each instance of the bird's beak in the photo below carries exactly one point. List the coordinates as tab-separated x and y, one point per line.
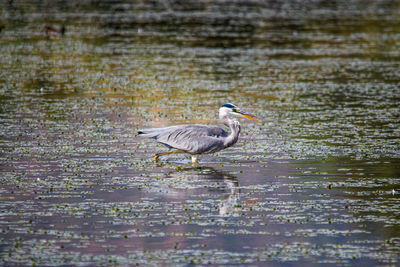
248	115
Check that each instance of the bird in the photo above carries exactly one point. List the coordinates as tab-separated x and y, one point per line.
52	31
197	139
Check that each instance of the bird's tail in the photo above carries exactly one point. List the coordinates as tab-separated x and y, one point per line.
152	133
148	133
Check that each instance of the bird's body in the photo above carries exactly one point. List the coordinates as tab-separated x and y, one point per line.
193	138
196	139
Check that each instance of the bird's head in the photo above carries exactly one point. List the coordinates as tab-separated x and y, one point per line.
231	109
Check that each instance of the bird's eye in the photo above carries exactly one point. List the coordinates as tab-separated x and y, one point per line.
234	110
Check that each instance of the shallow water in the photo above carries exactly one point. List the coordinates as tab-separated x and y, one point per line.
318	182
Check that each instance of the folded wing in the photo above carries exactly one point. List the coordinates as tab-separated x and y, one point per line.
191	138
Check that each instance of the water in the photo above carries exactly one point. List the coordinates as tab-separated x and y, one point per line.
317	183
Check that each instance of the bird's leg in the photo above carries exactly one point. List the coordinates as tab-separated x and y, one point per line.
156	156
195	158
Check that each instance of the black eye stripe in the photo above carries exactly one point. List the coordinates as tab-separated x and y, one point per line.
228	106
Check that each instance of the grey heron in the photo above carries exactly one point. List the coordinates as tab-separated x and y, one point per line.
197	139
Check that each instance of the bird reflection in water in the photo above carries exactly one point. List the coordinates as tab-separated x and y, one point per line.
213	180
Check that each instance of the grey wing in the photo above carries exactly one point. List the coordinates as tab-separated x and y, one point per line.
192	138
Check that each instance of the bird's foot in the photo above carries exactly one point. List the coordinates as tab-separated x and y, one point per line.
155	157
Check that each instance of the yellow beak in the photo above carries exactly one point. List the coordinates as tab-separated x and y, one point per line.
248	116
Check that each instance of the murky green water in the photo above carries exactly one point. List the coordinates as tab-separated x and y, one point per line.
318	182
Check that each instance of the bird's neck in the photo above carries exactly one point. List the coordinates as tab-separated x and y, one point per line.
232	138
226	120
